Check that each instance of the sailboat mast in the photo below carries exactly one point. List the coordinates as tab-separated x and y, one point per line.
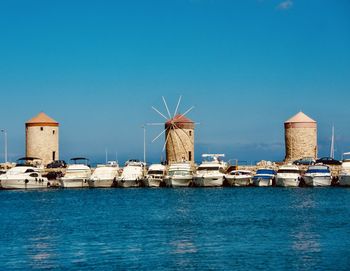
332	144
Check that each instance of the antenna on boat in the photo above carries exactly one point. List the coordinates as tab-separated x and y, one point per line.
106	153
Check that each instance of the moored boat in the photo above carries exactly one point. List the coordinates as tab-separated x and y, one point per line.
155	175
179	175
211	172
132	175
77	174
288	176
104	175
344	177
318	175
239	177
264	177
24	176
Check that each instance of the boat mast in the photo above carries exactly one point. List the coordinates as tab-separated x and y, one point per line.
332	144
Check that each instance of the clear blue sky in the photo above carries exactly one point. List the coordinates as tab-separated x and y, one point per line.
97	67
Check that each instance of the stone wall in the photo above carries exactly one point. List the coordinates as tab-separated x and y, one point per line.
180	145
300	142
41	142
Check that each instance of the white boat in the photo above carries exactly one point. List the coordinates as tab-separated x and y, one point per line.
104	175
179	175
211	173
264	177
132	175
77	175
155	175
23	177
239	177
318	175
344	177
288	176
1	173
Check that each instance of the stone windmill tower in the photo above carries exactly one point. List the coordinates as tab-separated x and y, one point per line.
179	135
300	137
42	138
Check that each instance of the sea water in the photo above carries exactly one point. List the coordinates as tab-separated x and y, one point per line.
176	229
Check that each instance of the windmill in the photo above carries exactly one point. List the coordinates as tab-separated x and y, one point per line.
179	134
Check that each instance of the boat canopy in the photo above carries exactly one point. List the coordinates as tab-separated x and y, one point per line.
79	158
28	158
266	171
263	176
318	170
25	161
346	156
75	159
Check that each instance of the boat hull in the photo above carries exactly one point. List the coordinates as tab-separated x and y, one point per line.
287	182
344	180
152	182
261	182
128	183
43	183
100	183
215	181
318	180
178	182
238	181
74	183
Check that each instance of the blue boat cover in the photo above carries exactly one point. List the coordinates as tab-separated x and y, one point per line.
318	171
262	177
266	171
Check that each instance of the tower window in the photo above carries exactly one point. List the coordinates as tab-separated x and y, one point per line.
189	156
190	133
53	155
53	132
41	128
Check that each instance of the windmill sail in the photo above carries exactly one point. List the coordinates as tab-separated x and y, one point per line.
179	134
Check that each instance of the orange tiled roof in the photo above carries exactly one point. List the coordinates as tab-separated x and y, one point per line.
41	118
300	117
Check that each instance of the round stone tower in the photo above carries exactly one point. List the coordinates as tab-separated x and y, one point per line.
42	138
300	137
179	138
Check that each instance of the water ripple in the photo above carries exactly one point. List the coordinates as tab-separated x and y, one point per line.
175	229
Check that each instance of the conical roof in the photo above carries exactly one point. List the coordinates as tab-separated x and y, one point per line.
300	118
179	118
42	119
180	121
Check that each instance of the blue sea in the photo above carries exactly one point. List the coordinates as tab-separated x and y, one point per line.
176	229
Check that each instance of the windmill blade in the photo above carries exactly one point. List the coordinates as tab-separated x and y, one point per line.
182	143
177	127
166	106
166	140
187	111
155	109
159	135
154	124
177	106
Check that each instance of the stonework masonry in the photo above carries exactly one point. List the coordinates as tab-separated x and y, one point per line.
42	142
42	138
300	141
180	145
